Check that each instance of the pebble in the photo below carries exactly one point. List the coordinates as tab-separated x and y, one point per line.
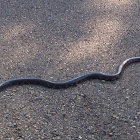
138	113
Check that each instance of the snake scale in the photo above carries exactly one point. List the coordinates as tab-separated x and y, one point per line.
74	81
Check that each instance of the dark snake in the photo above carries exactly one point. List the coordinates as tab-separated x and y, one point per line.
74	81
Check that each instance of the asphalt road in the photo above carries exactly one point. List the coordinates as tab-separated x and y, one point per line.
59	40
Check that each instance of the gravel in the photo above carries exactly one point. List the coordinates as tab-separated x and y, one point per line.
59	40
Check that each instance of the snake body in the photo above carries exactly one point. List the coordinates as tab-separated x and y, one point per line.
74	81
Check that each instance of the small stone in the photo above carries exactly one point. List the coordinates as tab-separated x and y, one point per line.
110	134
80	137
138	113
83	95
115	117
127	97
64	114
113	127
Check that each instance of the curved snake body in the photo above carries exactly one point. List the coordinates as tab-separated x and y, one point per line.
71	82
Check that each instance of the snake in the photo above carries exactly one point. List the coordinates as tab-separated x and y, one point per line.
74	81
